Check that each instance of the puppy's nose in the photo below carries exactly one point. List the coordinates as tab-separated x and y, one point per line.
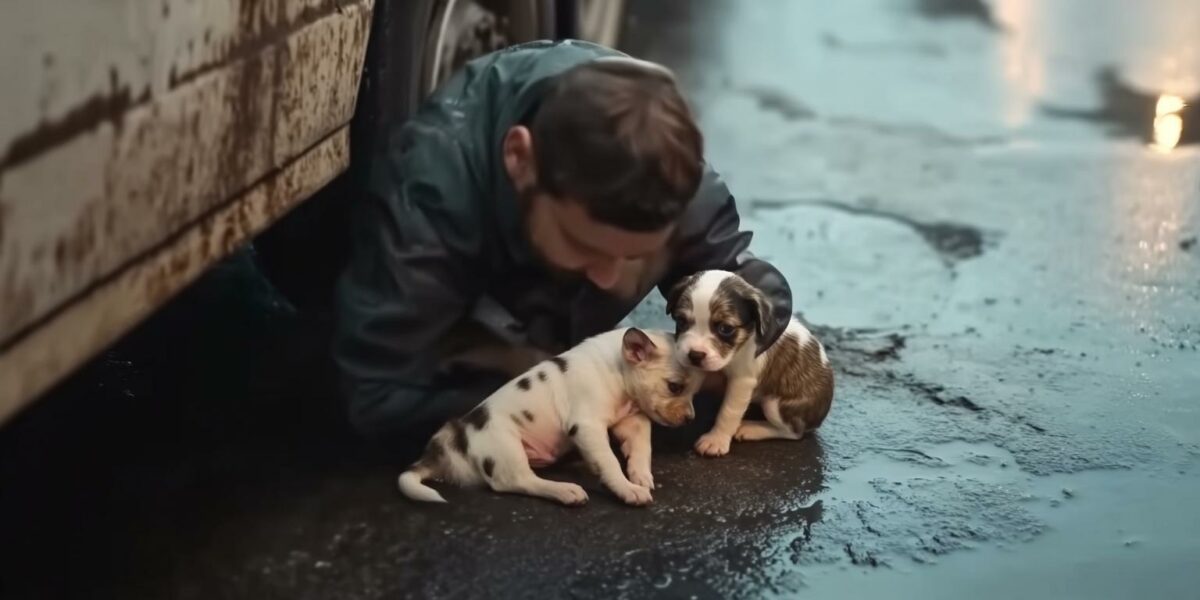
696	357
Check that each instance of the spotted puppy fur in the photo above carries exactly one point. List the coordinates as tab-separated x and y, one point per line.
619	381
720	322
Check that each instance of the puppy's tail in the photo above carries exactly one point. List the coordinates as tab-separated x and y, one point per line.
412	484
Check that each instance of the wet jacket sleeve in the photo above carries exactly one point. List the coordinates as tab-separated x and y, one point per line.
408	283
711	238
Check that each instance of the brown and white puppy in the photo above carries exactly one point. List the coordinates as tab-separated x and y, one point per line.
719	320
619	380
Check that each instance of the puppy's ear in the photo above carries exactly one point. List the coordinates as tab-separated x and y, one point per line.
637	347
678	291
764	315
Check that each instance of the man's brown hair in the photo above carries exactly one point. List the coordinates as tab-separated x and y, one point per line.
618	136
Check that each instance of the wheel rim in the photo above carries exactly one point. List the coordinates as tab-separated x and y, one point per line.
433	73
464	29
600	20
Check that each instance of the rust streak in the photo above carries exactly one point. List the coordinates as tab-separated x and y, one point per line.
111	106
270	35
101	108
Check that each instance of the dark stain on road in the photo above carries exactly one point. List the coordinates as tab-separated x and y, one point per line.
953	241
971	10
778	102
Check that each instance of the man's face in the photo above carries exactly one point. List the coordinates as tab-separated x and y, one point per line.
569	240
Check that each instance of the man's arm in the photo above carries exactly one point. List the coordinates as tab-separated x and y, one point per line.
710	238
404	290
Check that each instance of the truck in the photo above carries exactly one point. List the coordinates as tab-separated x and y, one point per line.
141	141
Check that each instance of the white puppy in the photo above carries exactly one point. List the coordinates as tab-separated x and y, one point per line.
618	380
720	320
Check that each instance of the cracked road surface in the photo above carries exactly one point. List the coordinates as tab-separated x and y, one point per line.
976	212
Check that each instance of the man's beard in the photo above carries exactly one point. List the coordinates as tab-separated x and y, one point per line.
557	274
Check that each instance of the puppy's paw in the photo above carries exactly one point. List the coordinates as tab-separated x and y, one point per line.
634	495
571	495
752	432
642	478
713	444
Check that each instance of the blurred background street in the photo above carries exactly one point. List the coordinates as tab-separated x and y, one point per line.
988	209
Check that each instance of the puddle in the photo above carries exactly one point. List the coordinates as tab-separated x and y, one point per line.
983	462
1101	534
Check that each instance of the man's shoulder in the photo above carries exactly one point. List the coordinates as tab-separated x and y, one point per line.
548	57
712	198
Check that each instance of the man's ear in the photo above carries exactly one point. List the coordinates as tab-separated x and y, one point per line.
677	291
519	158
637	347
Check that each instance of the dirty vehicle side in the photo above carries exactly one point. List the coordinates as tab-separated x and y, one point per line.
142	140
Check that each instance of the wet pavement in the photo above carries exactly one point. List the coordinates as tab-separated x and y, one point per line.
989	211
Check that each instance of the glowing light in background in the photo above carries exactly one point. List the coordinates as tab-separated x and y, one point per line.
1168	125
1022	55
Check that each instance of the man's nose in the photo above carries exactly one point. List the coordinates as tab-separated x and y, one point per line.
605	274
696	356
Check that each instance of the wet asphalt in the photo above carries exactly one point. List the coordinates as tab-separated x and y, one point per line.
979	209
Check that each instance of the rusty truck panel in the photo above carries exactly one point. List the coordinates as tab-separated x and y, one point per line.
142	140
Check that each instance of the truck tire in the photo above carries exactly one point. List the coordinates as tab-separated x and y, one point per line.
413	45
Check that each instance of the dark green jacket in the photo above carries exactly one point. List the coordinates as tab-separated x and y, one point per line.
439	242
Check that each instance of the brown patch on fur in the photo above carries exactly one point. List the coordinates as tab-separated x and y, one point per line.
541	376
739	305
648	382
435	452
528	415
794	374
517	420
489	465
524	383
573	430
732	305
679	304
677	412
560	362
679	299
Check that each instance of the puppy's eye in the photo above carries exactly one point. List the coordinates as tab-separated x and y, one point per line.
675	388
724	330
681	324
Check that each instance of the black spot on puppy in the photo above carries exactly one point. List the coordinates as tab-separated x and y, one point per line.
560	362
458	436
541	375
488	466
477	418
523	383
572	430
528	415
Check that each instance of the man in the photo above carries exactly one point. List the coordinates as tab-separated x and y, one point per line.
533	201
